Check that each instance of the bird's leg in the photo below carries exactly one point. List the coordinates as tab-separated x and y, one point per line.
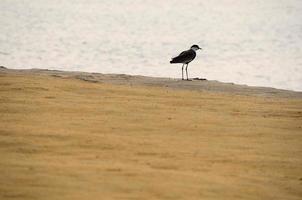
187	71
182	72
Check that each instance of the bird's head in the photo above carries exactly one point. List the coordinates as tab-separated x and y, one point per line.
195	47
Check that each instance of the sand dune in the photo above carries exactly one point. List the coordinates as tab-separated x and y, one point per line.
124	137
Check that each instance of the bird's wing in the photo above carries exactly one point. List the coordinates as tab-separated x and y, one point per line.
183	53
185	56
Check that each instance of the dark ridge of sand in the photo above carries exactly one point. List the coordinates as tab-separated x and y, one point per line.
196	84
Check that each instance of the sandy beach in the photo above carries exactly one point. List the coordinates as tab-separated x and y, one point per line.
76	135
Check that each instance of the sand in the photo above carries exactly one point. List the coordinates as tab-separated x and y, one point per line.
74	135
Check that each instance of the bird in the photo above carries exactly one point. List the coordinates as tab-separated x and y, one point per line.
185	58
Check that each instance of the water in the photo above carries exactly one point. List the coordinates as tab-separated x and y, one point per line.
251	42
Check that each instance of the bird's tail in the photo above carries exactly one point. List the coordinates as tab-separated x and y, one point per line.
172	61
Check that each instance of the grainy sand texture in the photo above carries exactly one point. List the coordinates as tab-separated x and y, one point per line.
73	135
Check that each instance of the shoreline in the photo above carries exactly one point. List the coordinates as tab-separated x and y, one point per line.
74	135
170	83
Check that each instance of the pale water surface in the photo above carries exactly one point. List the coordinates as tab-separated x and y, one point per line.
254	42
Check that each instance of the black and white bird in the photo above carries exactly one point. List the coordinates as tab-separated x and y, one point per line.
185	58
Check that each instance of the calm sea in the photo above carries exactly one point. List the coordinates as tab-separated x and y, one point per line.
253	42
